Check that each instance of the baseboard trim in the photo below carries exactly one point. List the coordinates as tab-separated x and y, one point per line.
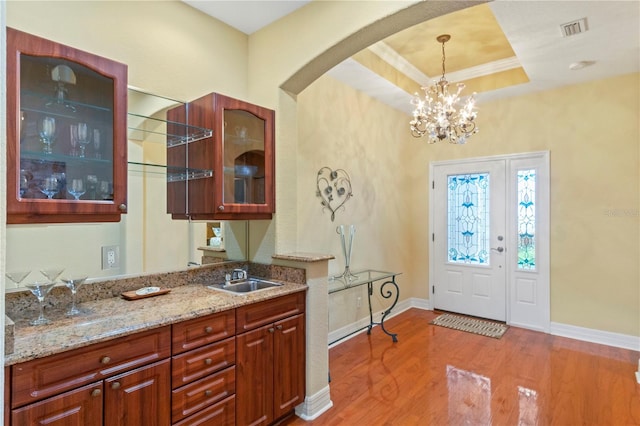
315	405
608	338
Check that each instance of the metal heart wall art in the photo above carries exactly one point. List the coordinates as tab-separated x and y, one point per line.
334	188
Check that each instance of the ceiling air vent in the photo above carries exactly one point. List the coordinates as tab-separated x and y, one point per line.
574	27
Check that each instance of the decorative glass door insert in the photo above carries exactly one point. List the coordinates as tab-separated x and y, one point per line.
526	219
468	224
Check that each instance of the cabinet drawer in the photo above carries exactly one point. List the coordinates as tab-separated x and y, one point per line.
203	361
195	396
221	414
79	407
258	314
198	332
44	377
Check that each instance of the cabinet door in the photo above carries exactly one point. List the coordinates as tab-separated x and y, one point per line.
66	133
254	377
140	397
241	154
288	365
244	155
79	407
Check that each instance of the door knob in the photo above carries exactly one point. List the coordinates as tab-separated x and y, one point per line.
499	249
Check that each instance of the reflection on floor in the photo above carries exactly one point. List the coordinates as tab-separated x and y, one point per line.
439	376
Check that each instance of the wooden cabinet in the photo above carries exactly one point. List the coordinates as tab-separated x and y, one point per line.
126	380
203	370
240	366
241	153
139	397
270	359
66	133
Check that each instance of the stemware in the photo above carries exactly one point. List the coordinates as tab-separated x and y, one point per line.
104	190
96	143
73	140
47	133
52	274
40	289
92	186
76	188
24	184
17	276
50	186
73	283
84	137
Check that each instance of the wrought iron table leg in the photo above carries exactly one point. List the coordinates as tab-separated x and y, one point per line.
369	294
388	294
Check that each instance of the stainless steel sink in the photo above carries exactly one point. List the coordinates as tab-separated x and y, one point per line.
245	286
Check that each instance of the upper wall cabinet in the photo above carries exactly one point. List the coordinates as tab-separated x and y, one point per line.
66	133
240	153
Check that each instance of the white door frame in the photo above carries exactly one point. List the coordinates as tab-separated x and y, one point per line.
519	289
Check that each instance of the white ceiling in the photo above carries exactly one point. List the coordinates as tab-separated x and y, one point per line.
612	43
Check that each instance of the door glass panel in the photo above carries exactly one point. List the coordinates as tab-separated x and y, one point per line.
526	219
244	162
468	218
66	130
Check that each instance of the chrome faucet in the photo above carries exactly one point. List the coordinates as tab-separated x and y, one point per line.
239	274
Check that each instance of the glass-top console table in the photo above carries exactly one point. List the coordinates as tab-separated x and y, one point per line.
388	289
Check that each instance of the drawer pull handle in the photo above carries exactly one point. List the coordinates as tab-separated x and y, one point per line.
96	392
208	361
279	327
208	330
271	330
105	360
208	393
115	385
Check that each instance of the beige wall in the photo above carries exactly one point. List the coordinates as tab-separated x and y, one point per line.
594	168
150	38
592	133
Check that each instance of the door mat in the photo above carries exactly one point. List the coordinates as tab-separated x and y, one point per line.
471	325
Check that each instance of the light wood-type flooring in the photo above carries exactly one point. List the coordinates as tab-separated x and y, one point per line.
438	376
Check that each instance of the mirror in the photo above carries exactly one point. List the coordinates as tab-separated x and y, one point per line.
146	240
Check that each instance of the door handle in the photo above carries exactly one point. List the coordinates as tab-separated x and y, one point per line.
499	249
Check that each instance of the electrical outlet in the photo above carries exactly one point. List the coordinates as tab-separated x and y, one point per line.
359	302
110	257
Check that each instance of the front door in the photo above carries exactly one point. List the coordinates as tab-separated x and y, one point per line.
490	238
469	238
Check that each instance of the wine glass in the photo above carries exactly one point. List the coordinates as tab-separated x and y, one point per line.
92	186
96	143
73	283
47	133
76	188
17	276
40	289
73	140
52	274
24	183
50	186
104	190
84	138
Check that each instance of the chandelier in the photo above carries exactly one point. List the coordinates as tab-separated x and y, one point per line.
438	116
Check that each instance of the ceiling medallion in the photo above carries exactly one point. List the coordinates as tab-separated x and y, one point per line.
438	116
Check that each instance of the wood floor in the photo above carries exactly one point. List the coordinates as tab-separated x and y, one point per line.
439	376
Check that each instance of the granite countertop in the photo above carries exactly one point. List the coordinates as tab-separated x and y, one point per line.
114	317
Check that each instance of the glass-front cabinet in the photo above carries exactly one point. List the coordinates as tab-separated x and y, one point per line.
241	154
66	129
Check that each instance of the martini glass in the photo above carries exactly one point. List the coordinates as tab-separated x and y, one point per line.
17	276
40	289
73	283
52	274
